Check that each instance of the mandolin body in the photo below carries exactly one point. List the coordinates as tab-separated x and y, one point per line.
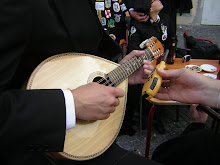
88	139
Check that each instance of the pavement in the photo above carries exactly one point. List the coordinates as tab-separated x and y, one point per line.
200	31
137	142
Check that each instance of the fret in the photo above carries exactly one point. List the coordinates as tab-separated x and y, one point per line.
112	77
134	64
130	67
120	71
123	71
124	66
126	69
147	57
140	62
123	76
149	54
117	74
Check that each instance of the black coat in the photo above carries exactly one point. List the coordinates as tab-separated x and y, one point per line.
31	31
147	30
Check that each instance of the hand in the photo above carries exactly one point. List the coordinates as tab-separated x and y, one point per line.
112	36
189	87
95	102
197	115
139	76
140	17
183	85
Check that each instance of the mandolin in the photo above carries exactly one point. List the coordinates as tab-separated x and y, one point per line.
89	139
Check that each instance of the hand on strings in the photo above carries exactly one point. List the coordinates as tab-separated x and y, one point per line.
94	101
139	76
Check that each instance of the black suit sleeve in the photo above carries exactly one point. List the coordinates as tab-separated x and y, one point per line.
29	120
32	120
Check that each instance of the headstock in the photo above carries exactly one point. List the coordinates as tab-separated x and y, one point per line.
154	46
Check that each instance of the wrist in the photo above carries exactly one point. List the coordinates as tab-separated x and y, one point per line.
210	96
218	102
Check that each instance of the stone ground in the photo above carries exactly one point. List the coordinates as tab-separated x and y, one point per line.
203	31
137	141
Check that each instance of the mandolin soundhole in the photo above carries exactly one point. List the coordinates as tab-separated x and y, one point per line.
101	80
99	77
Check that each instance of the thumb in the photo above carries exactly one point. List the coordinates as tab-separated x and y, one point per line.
168	74
162	72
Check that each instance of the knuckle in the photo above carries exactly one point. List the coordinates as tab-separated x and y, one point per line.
112	101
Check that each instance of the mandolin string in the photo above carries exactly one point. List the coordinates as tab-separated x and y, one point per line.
136	63
107	81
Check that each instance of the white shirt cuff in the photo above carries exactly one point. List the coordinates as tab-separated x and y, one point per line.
70	109
131	9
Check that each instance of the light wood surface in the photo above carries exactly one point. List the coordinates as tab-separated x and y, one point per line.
88	139
179	64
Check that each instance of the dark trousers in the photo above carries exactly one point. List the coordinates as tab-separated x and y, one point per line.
115	155
196	145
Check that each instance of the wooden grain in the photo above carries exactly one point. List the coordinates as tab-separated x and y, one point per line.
88	139
179	64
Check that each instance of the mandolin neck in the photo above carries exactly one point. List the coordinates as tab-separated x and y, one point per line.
122	72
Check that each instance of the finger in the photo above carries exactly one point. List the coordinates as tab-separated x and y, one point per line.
147	62
147	71
137	53
131	54
148	65
162	96
103	117
116	102
140	14
193	110
172	73
144	19
162	72
109	110
116	92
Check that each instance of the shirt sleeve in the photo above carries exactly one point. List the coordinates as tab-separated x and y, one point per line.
70	109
